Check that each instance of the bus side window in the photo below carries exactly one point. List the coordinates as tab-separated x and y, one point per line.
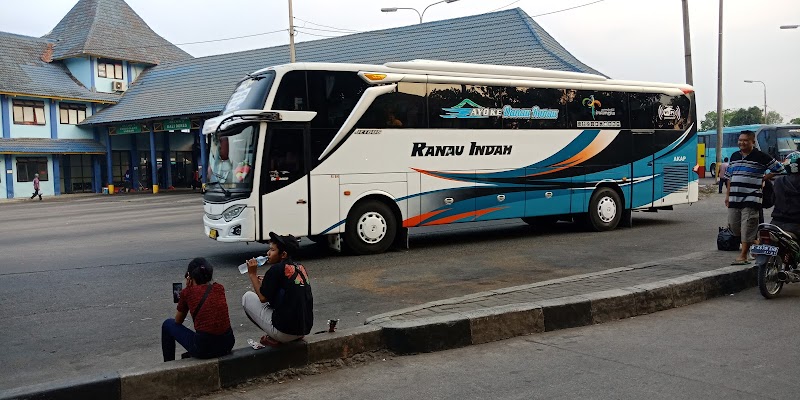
643	113
552	105
284	163
598	109
291	94
333	95
672	112
404	108
450	104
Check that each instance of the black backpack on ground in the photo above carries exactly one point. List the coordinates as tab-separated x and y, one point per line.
726	241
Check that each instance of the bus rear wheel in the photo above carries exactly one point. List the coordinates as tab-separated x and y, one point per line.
605	209
370	228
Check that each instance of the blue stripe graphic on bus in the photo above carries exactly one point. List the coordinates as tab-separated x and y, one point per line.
529	194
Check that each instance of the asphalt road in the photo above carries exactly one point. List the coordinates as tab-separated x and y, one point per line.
735	347
85	284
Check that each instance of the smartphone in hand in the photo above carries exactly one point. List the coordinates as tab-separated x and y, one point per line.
176	291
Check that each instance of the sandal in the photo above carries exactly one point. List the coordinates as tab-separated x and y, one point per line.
740	262
268	341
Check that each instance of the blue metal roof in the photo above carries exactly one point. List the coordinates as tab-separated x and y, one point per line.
203	85
51	146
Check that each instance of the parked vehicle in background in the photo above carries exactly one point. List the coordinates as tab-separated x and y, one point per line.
775	140
357	154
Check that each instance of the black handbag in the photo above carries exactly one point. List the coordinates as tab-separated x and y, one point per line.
726	241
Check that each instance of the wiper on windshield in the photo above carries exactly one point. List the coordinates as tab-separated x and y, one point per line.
218	183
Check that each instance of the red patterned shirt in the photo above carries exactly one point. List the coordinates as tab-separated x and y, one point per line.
213	316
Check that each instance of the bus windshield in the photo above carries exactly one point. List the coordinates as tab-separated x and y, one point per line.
251	93
231	159
788	140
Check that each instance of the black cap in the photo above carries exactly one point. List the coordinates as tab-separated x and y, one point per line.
287	243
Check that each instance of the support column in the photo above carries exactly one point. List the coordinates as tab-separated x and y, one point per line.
9	177
6	116
67	166
53	120
96	186
153	163
109	175
97	177
134	163
56	174
167	162
203	157
6	131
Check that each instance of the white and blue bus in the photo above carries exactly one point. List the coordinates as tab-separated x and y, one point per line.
775	140
357	154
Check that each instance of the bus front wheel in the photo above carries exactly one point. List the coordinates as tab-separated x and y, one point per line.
713	169
371	228
605	209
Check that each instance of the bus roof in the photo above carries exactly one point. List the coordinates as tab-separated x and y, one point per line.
482	72
739	128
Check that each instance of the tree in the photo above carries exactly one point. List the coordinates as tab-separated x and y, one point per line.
752	115
774	118
710	120
795	121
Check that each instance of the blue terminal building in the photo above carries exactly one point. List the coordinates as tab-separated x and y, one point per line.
102	94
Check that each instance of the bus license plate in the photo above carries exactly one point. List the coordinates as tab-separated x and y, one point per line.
764	249
212	234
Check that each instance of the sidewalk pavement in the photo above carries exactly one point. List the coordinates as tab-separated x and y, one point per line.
478	318
98	196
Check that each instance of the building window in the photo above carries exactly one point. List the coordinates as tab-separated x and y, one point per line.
109	69
28	112
72	114
27	167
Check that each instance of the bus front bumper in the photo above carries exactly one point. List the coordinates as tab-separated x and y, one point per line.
239	229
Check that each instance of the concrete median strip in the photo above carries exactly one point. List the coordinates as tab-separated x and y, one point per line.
451	324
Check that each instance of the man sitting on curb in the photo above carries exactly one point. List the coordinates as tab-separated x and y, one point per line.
283	305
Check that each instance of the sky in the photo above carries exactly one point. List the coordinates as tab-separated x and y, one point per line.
624	39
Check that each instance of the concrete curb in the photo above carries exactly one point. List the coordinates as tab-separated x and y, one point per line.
491	324
459	329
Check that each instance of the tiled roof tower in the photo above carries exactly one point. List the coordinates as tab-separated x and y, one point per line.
110	29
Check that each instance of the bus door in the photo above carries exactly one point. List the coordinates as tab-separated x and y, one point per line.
285	184
643	144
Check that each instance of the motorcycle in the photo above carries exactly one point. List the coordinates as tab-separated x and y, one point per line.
777	256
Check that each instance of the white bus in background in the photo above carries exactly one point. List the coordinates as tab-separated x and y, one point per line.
357	154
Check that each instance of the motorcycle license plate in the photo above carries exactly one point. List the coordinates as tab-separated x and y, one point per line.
764	249
212	234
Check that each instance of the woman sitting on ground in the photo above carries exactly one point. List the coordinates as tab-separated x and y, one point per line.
206	300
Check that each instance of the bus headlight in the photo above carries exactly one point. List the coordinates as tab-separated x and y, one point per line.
233	212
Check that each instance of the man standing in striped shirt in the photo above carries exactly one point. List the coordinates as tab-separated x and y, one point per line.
746	175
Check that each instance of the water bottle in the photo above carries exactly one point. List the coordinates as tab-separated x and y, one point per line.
261	260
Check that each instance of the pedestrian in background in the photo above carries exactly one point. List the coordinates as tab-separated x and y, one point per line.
127	179
36	191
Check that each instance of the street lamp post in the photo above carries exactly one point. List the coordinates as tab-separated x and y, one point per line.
765	97
420	14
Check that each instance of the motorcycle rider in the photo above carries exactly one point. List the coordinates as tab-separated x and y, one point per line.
786	213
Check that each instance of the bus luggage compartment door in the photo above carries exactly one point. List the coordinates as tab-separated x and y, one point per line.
446	200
